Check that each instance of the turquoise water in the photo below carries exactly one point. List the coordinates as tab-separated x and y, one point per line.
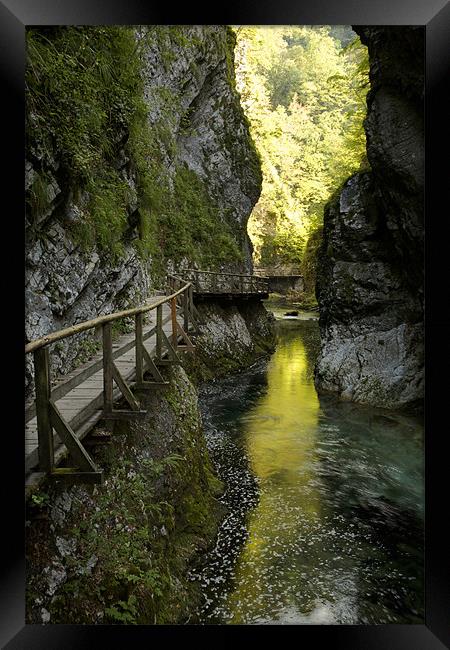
324	498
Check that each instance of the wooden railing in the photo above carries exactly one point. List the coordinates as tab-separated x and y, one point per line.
47	413
180	293
225	283
185	299
275	273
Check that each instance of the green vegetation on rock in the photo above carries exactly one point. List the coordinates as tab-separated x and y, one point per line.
99	139
122	549
84	105
190	226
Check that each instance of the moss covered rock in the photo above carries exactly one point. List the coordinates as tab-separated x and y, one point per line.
230	338
139	160
119	552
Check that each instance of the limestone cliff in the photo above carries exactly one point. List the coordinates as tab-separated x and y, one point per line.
230	338
370	268
196	189
190	82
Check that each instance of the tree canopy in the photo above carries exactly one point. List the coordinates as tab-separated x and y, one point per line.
303	89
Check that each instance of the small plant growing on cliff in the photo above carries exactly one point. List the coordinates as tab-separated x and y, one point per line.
37	198
40	499
124	611
157	467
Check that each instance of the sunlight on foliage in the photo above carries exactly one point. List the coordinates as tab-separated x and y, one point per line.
303	89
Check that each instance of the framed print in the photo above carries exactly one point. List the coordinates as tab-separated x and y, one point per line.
260	174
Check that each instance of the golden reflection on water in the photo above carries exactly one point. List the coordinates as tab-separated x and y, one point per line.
280	438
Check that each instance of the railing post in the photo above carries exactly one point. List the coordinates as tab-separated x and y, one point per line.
138	345
159	332
107	369
173	310
197	284
43	393
185	310
191	300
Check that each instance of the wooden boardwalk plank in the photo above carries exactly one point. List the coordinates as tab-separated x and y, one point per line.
79	395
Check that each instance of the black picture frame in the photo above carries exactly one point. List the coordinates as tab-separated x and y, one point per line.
434	15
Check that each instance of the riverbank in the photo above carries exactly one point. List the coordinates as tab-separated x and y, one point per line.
297	299
121	552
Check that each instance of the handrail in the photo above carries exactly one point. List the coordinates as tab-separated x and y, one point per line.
100	320
48	415
214	282
235	275
107	318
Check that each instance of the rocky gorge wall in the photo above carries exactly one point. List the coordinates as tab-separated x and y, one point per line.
230	338
178	192
370	265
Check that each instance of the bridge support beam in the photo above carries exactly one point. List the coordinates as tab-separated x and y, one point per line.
112	374
49	418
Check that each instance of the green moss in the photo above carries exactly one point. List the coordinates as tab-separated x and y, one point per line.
37	197
190	226
121	327
195	511
87	349
215	484
85	99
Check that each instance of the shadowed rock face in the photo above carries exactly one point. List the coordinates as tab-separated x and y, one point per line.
370	271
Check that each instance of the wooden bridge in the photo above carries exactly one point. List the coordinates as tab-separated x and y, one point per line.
64	412
283	282
228	286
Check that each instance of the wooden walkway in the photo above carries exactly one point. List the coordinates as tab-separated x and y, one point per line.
64	412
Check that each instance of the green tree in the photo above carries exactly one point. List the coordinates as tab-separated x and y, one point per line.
303	89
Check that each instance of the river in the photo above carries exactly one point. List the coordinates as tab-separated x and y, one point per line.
325	498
